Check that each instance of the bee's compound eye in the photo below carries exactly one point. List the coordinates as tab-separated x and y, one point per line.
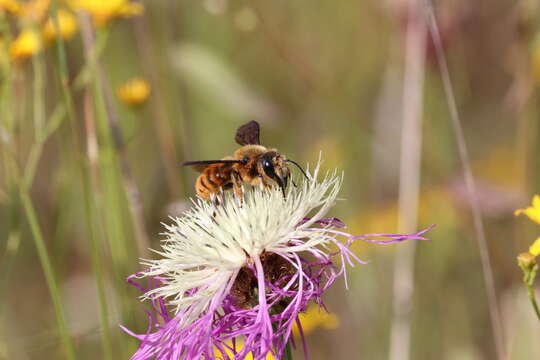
268	168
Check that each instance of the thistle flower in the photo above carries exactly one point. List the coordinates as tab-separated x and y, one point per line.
243	272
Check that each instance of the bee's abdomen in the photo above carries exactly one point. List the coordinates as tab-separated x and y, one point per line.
213	178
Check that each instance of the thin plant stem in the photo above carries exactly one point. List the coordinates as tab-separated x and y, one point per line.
288	351
160	117
95	256
532	298
38	116
409	181
133	195
50	279
529	275
97	266
39	105
113	134
107	178
11	249
480	236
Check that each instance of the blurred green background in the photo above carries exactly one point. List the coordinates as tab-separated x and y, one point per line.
89	172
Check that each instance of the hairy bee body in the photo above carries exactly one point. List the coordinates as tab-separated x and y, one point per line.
249	170
251	164
213	178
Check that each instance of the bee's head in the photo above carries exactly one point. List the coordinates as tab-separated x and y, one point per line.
273	168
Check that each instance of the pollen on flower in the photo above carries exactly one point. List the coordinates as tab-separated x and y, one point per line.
532	212
27	44
134	92
67	23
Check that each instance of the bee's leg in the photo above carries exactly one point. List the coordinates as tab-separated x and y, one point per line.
221	196
216	201
238	188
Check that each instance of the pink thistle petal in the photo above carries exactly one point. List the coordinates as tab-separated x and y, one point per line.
265	327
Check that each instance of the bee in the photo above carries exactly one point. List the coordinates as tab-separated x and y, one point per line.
251	164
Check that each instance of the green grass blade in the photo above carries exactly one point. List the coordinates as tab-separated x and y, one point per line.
50	279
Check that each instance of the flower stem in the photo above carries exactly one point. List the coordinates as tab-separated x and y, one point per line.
49	275
532	297
529	274
97	264
288	351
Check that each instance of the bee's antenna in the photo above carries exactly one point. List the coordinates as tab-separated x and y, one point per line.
298	166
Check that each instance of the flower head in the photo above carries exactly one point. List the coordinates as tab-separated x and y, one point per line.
534	249
67	23
103	11
27	44
533	212
244	271
134	92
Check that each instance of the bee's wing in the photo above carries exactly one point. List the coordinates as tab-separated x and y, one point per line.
248	134
203	164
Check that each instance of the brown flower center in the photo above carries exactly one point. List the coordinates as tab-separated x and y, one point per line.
277	271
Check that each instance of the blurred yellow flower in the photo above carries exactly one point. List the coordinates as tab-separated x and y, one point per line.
534	249
11	6
239	346
28	43
533	212
314	318
134	92
103	11
67	22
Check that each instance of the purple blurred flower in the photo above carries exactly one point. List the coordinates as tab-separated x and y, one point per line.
246	271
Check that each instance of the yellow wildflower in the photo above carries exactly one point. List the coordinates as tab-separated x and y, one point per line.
67	23
28	43
103	11
314	318
534	249
134	92
11	6
239	345
533	212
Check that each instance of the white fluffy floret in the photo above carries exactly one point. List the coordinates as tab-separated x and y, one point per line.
206	247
